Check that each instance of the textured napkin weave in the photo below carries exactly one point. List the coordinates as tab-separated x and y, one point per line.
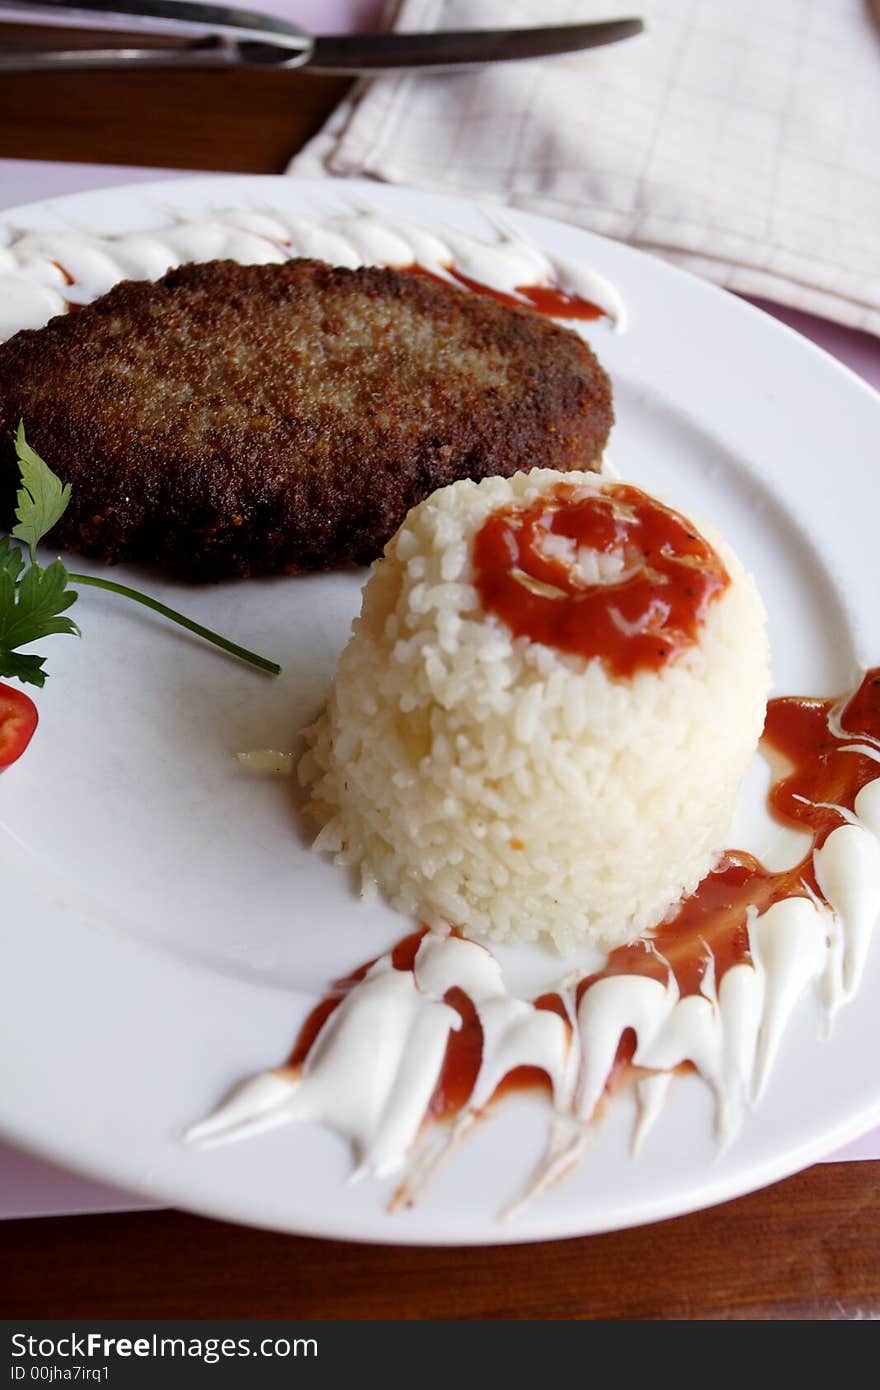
738	138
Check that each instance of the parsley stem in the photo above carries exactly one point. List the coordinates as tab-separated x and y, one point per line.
242	653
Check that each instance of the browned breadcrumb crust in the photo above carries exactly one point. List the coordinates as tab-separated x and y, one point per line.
238	420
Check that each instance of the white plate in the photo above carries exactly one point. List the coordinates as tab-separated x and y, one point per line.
164	927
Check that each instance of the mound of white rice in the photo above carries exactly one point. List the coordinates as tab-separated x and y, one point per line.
494	783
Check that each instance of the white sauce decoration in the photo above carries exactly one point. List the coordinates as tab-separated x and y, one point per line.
41	272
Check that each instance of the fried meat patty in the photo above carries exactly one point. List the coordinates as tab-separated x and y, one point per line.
236	420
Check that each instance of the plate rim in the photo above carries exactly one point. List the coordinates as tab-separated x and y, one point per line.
761	1174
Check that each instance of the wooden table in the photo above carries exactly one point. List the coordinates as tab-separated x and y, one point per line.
248	122
805	1248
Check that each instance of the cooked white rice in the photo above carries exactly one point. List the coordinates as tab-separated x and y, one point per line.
497	784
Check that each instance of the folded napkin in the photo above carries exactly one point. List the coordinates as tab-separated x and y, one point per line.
740	140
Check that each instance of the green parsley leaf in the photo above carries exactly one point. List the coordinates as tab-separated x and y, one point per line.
30	608
27	669
33	599
42	498
11	558
42	595
31	602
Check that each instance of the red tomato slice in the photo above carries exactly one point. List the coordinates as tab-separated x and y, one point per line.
18	719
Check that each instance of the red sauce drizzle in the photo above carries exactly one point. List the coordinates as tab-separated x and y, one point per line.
68	278
818	768
464	1052
640	622
712	920
545	299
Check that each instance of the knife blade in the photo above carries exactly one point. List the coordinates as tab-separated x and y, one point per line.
451	49
236	38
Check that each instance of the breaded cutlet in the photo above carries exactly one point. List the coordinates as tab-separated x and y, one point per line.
233	420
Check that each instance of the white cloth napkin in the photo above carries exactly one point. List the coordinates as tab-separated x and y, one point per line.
738	138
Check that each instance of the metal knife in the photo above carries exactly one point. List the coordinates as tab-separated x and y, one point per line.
220	37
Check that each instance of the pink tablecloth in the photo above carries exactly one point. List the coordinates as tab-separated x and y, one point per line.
29	1187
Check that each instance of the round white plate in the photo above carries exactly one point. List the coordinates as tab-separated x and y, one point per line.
165	928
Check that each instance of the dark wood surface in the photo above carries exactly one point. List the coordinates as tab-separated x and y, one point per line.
246	121
805	1248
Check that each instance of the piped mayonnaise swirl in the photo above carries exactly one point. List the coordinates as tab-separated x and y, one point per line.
42	271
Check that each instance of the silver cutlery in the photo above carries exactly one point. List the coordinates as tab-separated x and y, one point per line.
216	36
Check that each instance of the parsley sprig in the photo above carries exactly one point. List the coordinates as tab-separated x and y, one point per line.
33	599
